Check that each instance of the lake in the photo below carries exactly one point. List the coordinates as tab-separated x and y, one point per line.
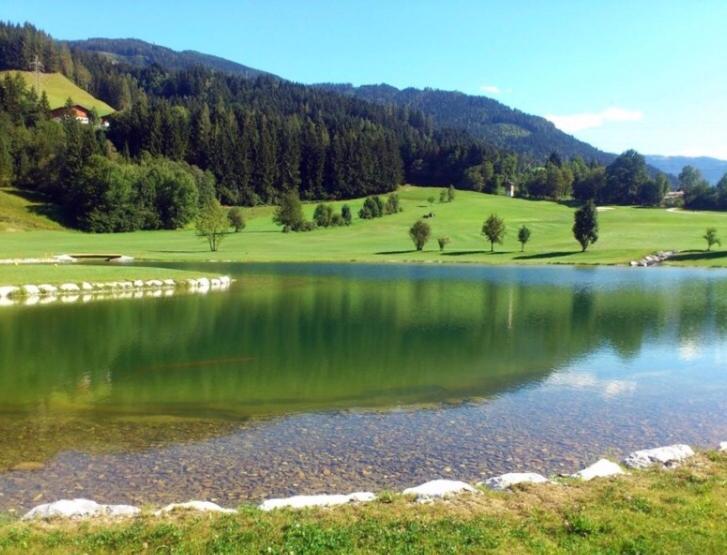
334	378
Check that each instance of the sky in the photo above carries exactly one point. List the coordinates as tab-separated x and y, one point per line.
650	75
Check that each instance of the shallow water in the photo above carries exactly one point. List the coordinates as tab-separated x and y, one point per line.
313	378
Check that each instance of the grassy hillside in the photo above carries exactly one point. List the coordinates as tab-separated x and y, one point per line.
676	511
59	88
19	213
627	233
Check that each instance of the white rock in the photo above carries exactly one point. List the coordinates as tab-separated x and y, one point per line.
599	469
139	283
123	258
154	283
69	288
723	446
668	456
64	258
203	283
326	500
7	290
225	281
203	506
438	489
191	283
79	508
46	289
30	290
510	479
85	286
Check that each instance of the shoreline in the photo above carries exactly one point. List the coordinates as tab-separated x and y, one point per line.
663	508
664	458
70	292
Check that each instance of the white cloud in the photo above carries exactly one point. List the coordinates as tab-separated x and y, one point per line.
589	381
572	123
491	89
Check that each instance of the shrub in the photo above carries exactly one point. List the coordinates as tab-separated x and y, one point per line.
337	220
289	212
585	225
711	237
523	236
450	193
419	234
443	242
212	224
236	219
494	230
346	214
392	204
323	215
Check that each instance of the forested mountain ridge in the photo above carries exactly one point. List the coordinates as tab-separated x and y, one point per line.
139	53
482	117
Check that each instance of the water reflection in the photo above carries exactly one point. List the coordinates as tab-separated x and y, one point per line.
559	345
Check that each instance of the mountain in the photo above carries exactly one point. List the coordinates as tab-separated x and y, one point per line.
139	53
481	117
58	88
711	168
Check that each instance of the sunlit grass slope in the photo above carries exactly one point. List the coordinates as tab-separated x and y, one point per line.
58	88
18	213
626	233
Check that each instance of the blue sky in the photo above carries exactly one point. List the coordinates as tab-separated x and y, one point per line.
645	74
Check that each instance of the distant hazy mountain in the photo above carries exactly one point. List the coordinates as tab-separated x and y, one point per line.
482	117
711	168
140	53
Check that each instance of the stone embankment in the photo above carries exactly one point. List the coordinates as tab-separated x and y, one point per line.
661	457
653	259
85	291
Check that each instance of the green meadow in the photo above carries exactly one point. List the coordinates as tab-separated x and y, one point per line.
626	233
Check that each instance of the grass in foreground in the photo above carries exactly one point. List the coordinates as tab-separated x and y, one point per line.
679	511
626	233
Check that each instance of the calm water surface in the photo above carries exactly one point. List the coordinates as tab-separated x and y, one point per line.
313	378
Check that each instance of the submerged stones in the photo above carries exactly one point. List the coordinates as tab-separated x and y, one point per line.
201	506
666	457
79	508
435	489
602	468
324	500
506	481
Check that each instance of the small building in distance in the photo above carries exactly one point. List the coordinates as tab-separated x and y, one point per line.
79	113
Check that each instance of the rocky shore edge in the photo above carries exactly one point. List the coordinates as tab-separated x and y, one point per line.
666	457
85	291
653	259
